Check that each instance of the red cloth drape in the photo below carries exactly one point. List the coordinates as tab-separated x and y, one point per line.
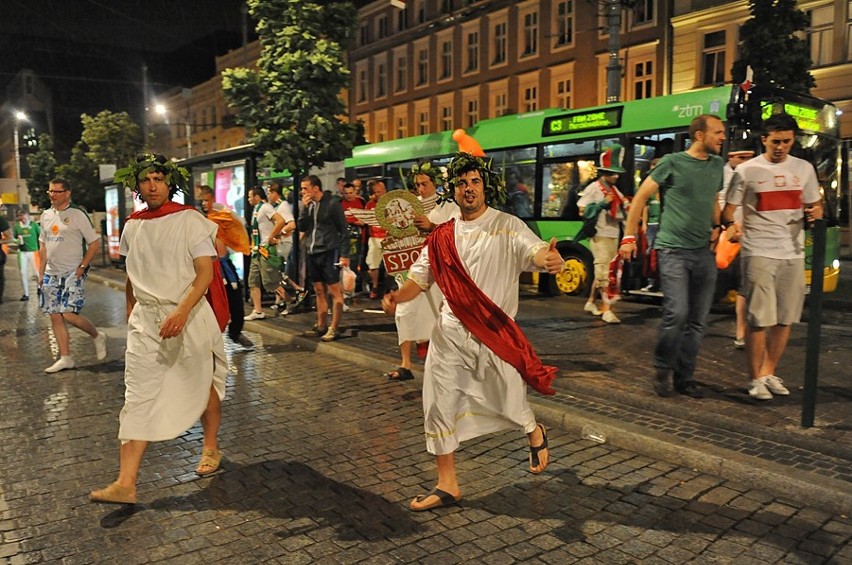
478	313
216	295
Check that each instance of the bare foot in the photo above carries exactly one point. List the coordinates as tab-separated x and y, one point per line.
435	498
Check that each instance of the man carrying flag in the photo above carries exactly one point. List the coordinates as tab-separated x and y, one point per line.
479	360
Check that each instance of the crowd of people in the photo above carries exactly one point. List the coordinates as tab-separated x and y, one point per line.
460	294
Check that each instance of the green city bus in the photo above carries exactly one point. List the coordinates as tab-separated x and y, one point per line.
548	155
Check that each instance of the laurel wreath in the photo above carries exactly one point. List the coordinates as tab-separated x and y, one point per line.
495	185
176	177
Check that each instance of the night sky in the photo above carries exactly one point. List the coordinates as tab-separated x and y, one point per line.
91	52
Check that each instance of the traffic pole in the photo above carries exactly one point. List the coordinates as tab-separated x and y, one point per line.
814	323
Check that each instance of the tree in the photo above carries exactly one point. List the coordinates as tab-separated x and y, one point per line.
291	103
82	172
111	138
772	48
42	165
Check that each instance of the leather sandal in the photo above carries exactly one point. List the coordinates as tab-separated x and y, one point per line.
209	463
400	374
534	451
444	499
113	494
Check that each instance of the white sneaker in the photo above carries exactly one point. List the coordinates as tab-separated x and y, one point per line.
64	362
775	385
758	390
739	343
255	316
610	318
592	307
100	345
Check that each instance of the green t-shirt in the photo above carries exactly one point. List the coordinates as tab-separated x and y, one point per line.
654	209
27	236
689	188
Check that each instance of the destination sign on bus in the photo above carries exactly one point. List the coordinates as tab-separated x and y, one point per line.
807	117
586	120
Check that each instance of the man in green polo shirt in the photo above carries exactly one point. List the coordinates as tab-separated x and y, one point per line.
26	234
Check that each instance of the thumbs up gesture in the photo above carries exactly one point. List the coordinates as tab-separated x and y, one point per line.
553	262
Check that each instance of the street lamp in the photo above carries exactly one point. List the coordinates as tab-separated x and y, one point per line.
19	117
161	110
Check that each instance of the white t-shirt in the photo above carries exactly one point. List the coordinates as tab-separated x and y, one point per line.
727	177
606	225
265	223
772	196
65	235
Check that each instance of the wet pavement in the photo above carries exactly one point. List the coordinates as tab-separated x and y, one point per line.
322	455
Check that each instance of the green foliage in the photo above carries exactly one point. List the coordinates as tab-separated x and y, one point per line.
770	45
111	138
291	103
82	172
176	177
495	185
42	165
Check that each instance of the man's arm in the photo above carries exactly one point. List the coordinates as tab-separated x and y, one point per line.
406	293
279	226
129	297
647	189
176	321
549	259
42	261
339	219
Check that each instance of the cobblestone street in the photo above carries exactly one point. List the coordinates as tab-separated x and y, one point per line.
321	459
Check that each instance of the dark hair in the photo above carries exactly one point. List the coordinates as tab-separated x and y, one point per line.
348	185
699	123
66	185
258	191
276	188
204	189
780	122
314	181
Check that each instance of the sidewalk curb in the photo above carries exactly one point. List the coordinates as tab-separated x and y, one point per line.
781	480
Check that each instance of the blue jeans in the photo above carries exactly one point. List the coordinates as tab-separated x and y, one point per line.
688	281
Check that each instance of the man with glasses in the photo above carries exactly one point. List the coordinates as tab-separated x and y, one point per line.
67	245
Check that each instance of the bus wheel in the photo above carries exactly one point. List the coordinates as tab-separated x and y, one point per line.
574	276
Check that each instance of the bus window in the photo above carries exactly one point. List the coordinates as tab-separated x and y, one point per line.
561	184
518	169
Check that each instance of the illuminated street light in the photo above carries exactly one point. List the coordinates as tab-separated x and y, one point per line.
19	117
163	111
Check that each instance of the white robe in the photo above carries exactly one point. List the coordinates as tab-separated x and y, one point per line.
167	381
468	391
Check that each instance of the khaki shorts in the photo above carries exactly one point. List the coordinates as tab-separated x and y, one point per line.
261	272
603	250
774	290
374	252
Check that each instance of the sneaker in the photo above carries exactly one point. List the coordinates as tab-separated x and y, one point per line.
775	385
300	297
255	316
24	298
316	331
739	342
331	335
592	307
662	383
610	318
759	391
64	362
690	389
346	307
100	346
243	340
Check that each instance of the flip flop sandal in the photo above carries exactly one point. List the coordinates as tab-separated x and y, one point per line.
113	494
209	463
444	499
400	374
534	451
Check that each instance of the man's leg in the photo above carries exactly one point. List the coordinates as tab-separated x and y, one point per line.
674	279
60	332
337	304
81	323
256	303
320	289
702	285
210	421
755	350
776	343
24	258
405	354
447	482
741	326
130	460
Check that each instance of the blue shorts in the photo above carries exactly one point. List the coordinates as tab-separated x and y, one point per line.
61	295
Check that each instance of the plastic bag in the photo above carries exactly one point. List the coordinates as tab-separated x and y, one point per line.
347	279
726	251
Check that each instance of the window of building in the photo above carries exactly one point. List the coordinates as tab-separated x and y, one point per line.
820	34
530	99
471	63
643	12
401	127
362	85
564	23
446	6
401	19
446	117
713	58
364	34
529	41
382	27
501	104
401	72
381	130
500	32
446	58
423	122
381	80
420	10
472	114
563	93
643	80
422	65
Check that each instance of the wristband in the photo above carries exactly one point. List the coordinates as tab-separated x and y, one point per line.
82	266
718	227
727	224
628	239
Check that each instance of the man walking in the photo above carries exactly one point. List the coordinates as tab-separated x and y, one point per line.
5	233
478	357
67	244
327	243
689	182
773	189
26	234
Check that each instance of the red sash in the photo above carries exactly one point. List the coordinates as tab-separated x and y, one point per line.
215	294
478	313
